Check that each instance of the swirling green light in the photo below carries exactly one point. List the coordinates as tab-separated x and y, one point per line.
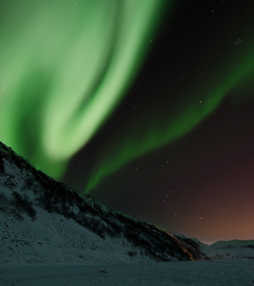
233	78
65	65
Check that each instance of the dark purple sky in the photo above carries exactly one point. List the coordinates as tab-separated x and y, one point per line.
200	184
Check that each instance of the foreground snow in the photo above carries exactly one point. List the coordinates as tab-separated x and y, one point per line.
50	236
149	273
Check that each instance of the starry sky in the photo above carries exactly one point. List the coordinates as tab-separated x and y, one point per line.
145	105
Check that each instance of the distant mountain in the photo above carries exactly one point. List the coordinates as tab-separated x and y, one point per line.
233	244
224	250
232	250
43	220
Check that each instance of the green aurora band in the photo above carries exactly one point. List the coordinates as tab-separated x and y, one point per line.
235	78
65	66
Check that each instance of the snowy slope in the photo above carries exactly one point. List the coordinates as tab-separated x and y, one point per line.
50	235
44	221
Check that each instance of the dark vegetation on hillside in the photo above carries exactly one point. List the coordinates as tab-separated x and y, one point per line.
247	246
193	247
56	197
17	205
1	165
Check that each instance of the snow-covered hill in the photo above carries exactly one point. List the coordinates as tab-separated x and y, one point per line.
44	221
51	235
233	250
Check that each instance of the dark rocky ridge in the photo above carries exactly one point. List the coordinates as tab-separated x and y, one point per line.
24	190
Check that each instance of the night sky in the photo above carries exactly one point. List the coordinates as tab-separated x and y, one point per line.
146	105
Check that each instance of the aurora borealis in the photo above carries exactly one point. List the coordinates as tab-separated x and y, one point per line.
64	67
146	105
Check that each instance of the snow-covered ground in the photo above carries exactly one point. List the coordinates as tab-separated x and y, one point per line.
54	239
39	246
55	251
42	221
137	274
232	250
